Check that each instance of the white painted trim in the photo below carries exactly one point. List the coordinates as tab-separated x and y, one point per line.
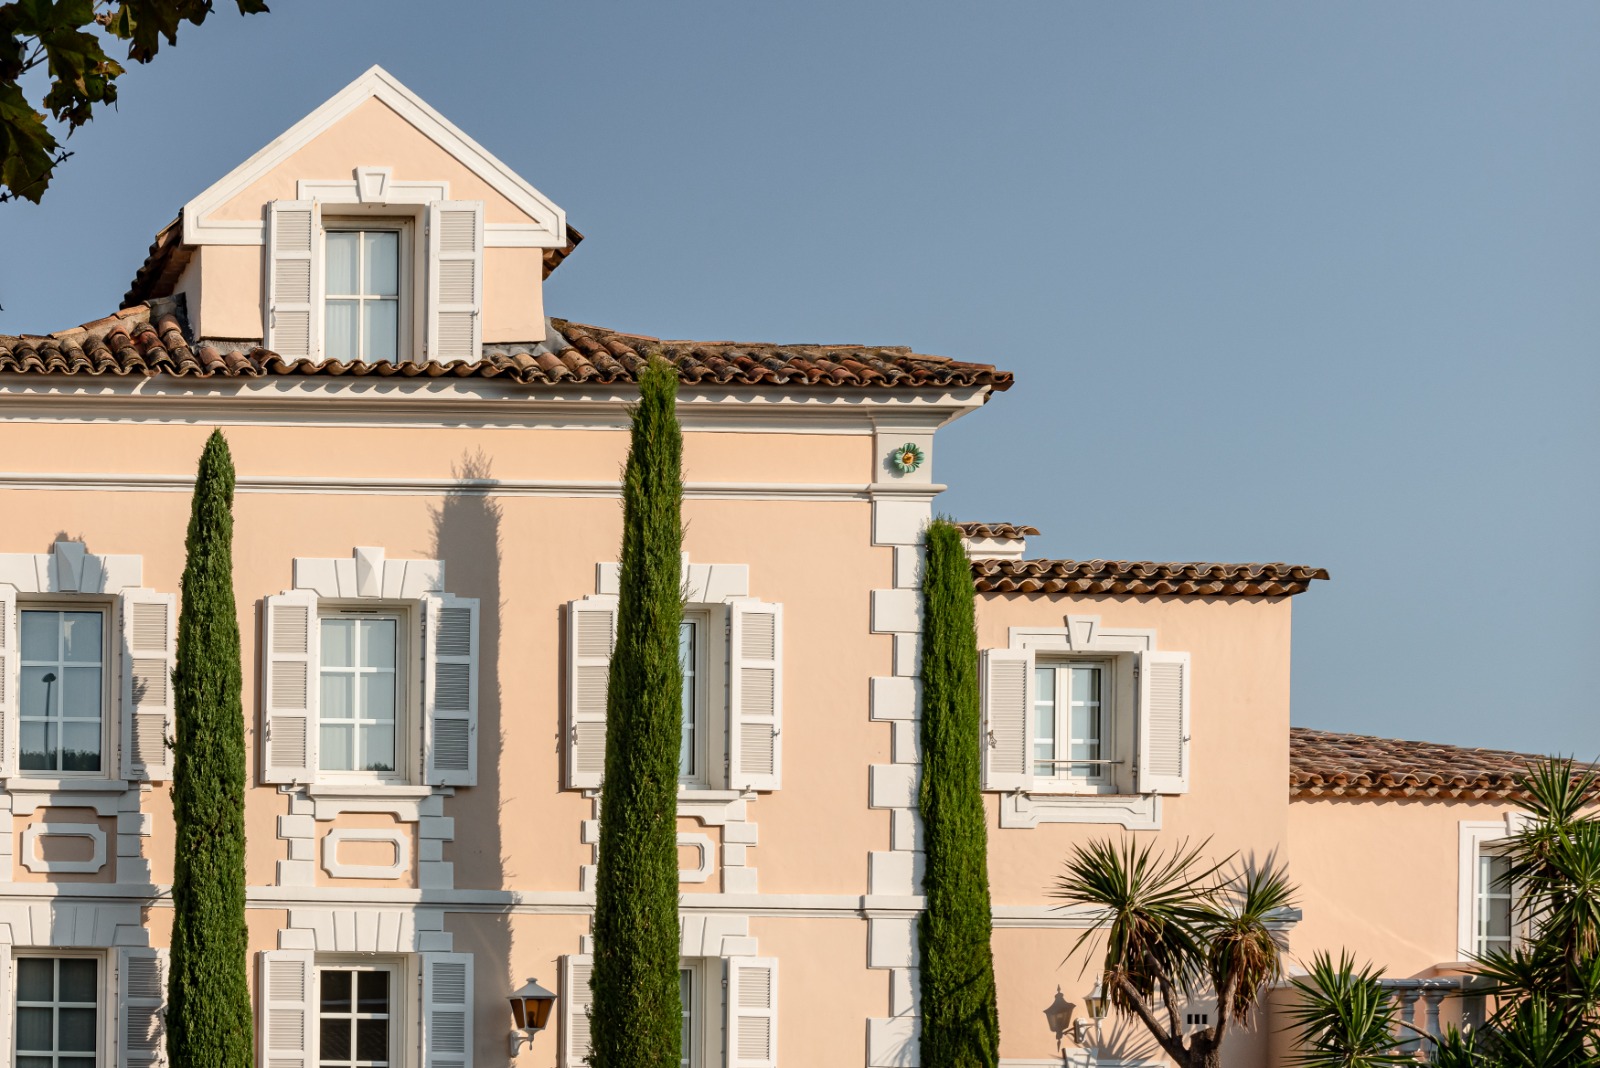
472	487
70	568
1473	835
1135	812
62	924
410	402
388	191
375	83
366	575
701	873
1083	634
339	835
34	862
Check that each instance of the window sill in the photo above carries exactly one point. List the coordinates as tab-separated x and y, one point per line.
1029	808
20	784
388	791
706	793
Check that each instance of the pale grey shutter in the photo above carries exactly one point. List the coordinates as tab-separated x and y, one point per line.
10	679
455	280
141	1007
752	1012
1163	723
576	971
1007	719
286	998
755	695
149	653
289	696
294	279
450	690
446	1010
591	635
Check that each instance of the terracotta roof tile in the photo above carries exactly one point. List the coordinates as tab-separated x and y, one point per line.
997	530
1143	577
1326	764
153	340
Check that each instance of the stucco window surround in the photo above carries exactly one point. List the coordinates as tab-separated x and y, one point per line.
738	683
735	1008
130	652
439	283
436	730
1480	838
1144	717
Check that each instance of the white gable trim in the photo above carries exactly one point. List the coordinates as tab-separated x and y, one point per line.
548	230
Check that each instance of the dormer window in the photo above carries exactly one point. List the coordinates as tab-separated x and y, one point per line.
362	300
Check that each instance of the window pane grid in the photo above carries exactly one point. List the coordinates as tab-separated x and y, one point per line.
354	1018
63	688
688	658
1069	718
359	695
58	1007
686	999
362	300
1494	903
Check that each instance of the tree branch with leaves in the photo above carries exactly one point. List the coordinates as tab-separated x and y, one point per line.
68	38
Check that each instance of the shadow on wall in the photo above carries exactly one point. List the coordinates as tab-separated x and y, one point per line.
466	536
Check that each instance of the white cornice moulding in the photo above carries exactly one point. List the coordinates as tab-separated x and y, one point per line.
549	223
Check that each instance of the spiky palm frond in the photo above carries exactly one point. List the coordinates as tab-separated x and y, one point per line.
1344	1018
1459	1049
1160	908
1246	950
1538	1035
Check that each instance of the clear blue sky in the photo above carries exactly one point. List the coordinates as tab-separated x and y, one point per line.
1305	282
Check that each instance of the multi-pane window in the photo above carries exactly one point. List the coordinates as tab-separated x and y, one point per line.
354	1018
360	694
58	1010
63	690
362	295
687	1001
1493	903
691	658
1070	710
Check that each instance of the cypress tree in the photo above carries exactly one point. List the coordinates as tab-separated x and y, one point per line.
960	1022
208	993
635	1013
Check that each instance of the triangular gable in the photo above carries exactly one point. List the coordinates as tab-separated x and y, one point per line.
547	227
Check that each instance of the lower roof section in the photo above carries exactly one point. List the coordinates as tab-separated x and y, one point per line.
1143	577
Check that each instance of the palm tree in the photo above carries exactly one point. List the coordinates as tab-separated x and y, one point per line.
1546	990
1178	925
1345	1018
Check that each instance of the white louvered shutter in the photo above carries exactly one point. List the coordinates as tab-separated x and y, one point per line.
294	279
455	280
289	697
752	1012
755	695
1007	719
591	635
149	653
1163	723
576	997
10	679
141	1007
446	1010
450	690
286	996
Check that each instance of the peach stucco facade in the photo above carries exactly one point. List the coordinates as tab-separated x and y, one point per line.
485	507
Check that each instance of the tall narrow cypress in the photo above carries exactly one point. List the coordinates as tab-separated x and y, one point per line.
208	991
960	1022
636	1013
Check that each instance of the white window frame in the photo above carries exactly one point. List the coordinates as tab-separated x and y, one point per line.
1476	839
105	1017
1112	714
407	674
110	684
699	676
408	261
708	1008
401	1014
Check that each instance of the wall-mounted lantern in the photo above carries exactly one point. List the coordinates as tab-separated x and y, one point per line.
1097	1005
530	1011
